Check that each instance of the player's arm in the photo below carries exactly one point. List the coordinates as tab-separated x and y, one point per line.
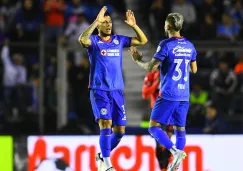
5	55
193	64
137	57
193	67
148	66
84	38
141	39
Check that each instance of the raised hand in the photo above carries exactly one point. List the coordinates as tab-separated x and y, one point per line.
130	18
100	17
135	54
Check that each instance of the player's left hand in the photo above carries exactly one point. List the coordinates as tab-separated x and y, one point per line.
135	54
130	18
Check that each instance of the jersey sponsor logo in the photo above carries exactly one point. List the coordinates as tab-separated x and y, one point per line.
116	42
110	52
182	51
103	111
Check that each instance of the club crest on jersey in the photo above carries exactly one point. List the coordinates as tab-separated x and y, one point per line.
116	42
103	52
103	111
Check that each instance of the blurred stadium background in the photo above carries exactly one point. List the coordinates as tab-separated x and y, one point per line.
44	78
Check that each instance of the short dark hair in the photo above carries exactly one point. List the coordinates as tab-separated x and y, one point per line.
175	20
107	14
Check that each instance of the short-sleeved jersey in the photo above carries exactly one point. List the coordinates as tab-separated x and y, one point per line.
106	62
175	55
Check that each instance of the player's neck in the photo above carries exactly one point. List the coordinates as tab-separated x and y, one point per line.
175	34
105	38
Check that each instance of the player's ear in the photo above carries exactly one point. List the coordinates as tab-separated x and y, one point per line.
169	27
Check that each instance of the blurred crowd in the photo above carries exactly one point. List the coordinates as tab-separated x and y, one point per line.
21	19
203	19
216	89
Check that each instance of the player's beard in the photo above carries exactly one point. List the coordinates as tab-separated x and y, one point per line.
104	34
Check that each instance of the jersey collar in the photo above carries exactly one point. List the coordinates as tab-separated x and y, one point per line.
178	37
109	40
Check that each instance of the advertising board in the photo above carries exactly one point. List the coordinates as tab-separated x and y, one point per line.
6	153
136	153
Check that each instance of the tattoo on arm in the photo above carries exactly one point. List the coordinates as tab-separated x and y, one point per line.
149	66
84	38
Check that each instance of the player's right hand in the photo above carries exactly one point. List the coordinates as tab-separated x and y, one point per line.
135	54
100	17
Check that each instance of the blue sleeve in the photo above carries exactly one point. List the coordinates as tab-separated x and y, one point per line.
194	55
125	40
162	51
92	38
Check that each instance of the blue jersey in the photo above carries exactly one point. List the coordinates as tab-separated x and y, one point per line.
175	55
106	62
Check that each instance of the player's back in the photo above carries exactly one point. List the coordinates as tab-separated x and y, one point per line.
176	55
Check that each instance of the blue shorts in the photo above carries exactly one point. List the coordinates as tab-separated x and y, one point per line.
170	112
108	105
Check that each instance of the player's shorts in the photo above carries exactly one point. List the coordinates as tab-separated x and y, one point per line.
108	105
170	112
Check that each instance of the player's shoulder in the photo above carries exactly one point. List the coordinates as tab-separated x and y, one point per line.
164	42
94	37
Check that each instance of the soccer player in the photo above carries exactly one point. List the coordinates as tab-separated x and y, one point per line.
106	80
150	90
176	57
